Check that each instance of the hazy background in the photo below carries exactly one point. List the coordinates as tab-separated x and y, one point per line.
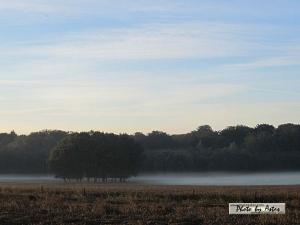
134	65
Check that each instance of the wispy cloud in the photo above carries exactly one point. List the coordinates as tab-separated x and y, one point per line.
169	41
97	101
266	63
253	7
79	8
26	6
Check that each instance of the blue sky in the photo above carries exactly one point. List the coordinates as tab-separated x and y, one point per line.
137	65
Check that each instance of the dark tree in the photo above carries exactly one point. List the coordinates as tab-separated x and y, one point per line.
96	155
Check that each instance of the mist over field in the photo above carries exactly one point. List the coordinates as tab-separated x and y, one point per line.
178	179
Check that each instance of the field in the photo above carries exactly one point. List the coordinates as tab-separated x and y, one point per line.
137	204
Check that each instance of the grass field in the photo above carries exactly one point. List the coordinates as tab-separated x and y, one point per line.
137	204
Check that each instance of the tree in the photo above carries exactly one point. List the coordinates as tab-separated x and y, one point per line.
67	161
203	136
96	155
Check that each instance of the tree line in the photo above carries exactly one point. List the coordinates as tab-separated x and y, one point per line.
235	148
95	155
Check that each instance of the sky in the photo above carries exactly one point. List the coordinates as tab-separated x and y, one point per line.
142	65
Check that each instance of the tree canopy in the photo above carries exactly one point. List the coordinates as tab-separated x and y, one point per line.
100	156
96	155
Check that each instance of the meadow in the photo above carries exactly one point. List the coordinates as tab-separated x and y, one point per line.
93	204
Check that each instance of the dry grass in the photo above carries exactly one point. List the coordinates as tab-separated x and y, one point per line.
136	204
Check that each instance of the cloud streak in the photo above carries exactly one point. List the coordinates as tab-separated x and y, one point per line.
169	41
